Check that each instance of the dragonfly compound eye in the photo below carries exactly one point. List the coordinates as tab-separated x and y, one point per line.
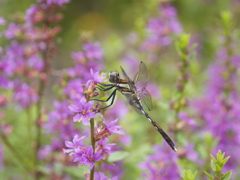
114	77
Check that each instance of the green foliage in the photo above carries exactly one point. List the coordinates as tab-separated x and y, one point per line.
117	156
189	175
217	165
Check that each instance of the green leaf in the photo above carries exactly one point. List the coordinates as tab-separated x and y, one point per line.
188	175
178	48
117	156
213	158
226	16
208	175
227	175
184	40
192	57
107	162
75	171
224	161
213	165
218	168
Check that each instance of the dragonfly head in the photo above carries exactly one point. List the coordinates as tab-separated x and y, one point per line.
114	77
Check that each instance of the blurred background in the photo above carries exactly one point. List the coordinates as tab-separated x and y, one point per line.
121	27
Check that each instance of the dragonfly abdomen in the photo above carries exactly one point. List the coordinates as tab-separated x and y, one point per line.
161	131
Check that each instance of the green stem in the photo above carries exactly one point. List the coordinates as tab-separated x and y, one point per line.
42	84
93	146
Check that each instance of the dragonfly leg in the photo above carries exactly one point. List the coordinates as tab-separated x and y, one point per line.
104	89
113	95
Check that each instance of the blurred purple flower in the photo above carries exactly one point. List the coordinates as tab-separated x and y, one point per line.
191	153
74	89
44	152
116	170
119	110
132	63
160	30
83	108
188	120
52	2
24	95
36	63
12	30
5	83
161	165
34	14
93	51
79	57
219	107
2	21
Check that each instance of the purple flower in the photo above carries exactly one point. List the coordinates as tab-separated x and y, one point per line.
34	14
93	51
2	21
24	95
187	120
36	63
79	57
57	2
104	147
75	145
44	152
12	30
88	158
96	77
83	108
160	31
74	89
112	127
5	83
116	170
119	110
161	165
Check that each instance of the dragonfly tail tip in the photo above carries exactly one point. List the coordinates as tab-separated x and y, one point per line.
175	149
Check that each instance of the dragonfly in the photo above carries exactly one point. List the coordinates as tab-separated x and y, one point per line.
136	93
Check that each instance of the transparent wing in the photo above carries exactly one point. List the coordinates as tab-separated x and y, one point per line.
146	99
135	104
130	82
141	78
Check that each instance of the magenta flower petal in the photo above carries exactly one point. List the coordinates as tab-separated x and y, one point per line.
77	118
91	114
85	120
74	108
69	144
67	150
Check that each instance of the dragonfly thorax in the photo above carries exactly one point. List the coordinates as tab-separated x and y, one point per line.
114	77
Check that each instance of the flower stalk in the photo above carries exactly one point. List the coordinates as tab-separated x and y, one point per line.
93	146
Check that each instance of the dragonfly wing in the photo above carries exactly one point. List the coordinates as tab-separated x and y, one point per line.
134	102
146	99
141	77
130	82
